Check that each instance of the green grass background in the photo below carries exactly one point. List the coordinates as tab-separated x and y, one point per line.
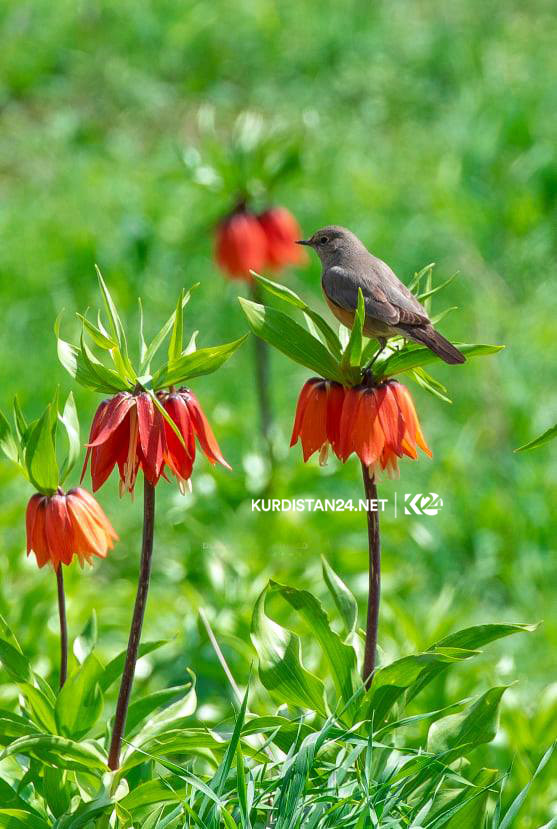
428	128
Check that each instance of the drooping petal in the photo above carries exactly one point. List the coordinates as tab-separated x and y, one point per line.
179	457
93	434
413	433
301	408
368	435
151	437
349	410
59	531
90	539
96	511
314	424
335	401
117	409
30	515
113	450
281	232
391	419
39	542
203	431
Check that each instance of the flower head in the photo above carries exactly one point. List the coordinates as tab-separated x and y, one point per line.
380	425
317	421
127	430
187	415
63	525
377	423
281	232
240	245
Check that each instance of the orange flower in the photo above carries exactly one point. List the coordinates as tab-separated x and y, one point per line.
380	424
240	245
187	415
127	430
317	421
281	232
63	525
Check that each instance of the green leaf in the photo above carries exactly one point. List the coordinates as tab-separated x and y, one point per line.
176	338
280	667
280	331
471	808
430	384
85	643
58	751
38	706
163	333
40	454
104	377
114	321
288	296
98	337
13	726
218	781
202	361
57	792
411	357
16	818
344	599
546	437
353	351
341	658
162	790
144	707
480	635
517	803
458	734
429	292
113	670
11	655
142	343
7	441
70	422
391	681
80	702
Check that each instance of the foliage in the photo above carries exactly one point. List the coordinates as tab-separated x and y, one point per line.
427	129
344	755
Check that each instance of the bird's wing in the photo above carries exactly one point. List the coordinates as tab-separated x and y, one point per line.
381	303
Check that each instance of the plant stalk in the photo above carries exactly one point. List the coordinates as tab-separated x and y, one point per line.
262	383
137	624
63	626
374	584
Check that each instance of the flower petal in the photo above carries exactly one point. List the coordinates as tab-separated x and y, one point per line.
59	531
117	409
203	431
151	437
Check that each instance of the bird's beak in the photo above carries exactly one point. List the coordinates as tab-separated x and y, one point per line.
303	242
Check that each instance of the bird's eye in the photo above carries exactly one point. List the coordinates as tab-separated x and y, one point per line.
323	240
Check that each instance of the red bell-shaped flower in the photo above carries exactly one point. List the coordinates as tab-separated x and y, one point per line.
317	421
187	415
281	232
240	245
63	525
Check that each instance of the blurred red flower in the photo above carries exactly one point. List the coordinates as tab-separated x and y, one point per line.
380	425
63	525
240	245
183	408
281	232
317	421
127	430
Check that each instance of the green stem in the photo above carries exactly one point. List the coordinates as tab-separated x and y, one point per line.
374	578
63	626
136	626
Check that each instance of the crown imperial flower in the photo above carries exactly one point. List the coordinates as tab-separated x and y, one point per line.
281	232
240	245
65	525
184	410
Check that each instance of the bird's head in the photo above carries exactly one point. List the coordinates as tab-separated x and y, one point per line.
331	243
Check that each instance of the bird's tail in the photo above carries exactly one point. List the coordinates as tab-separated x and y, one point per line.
438	344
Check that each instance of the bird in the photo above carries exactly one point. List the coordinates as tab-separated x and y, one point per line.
390	308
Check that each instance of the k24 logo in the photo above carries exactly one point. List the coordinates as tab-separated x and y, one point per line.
420	504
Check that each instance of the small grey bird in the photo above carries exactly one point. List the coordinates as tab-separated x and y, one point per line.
391	309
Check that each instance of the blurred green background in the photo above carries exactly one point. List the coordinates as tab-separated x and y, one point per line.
429	129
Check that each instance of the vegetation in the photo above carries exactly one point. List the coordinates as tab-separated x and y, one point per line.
429	130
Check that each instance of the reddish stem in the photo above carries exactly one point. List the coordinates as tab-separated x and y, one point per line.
374	584
63	626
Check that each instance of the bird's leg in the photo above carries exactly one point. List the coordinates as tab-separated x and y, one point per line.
382	345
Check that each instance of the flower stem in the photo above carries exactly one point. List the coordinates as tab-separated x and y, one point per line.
137	624
63	626
262	383
374	588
